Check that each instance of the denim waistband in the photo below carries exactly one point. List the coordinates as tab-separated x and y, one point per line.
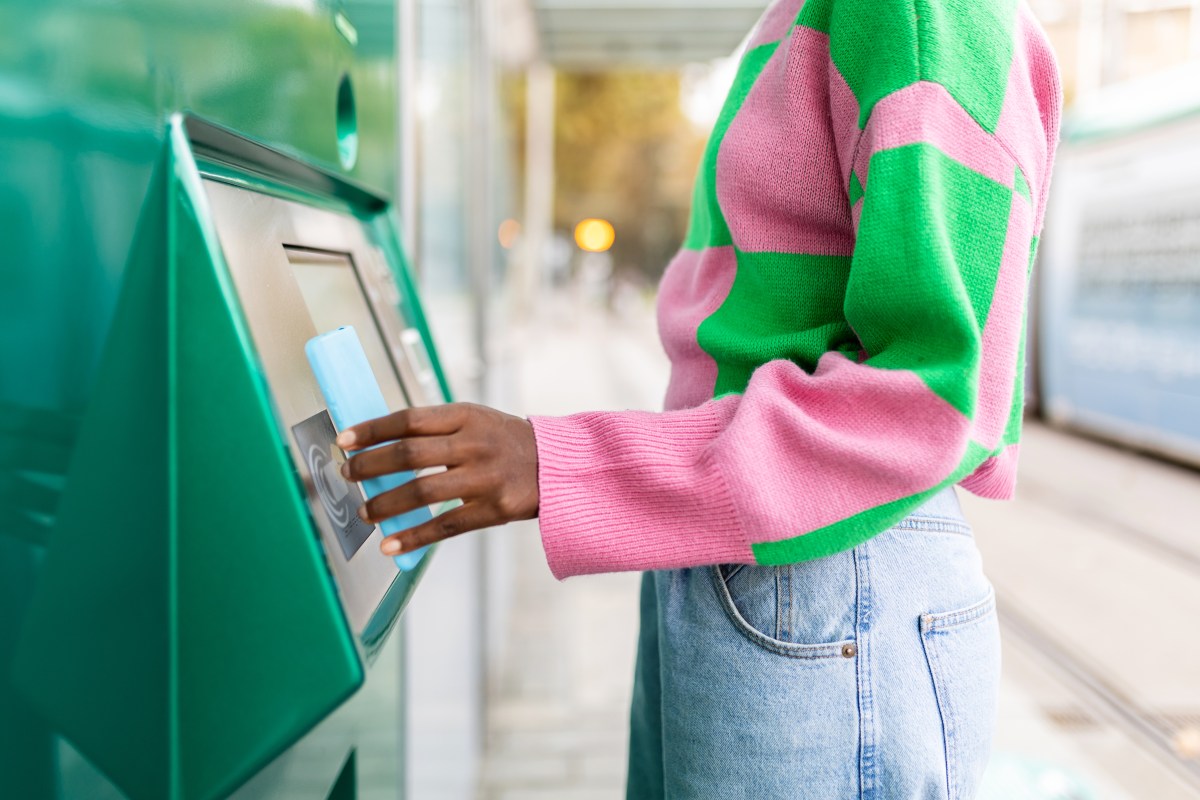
942	505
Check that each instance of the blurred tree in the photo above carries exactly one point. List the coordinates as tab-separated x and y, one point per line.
625	152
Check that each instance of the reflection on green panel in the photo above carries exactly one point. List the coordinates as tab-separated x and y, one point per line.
120	355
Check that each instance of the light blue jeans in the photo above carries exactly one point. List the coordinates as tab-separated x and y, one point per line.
871	673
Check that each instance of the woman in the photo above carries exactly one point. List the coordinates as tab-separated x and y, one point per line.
845	326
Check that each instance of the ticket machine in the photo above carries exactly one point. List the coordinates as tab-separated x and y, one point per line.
211	618
209	598
188	193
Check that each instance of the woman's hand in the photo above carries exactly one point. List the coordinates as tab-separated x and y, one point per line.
490	459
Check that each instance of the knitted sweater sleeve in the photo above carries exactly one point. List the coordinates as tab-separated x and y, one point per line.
945	133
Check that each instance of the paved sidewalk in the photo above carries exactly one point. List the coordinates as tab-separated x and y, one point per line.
558	720
557	716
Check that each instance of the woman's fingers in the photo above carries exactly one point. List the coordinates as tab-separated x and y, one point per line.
469	517
491	458
424	491
427	421
407	454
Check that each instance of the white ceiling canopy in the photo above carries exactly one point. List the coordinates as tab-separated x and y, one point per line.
607	34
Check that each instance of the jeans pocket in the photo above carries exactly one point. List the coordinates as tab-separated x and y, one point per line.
962	649
762	604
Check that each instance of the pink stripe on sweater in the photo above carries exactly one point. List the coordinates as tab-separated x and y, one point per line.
1028	123
635	491
925	112
774	25
996	478
844	111
1003	329
774	181
693	287
829	445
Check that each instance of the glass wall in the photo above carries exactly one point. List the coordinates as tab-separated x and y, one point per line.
444	624
440	100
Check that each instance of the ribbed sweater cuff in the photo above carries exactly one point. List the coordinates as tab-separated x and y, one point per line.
632	490
996	478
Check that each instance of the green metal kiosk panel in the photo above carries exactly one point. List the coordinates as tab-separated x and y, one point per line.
264	650
270	70
85	92
201	634
95	642
89	193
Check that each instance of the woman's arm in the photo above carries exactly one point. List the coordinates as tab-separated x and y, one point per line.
946	160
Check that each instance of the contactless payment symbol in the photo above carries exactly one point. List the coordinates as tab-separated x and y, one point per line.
330	487
340	499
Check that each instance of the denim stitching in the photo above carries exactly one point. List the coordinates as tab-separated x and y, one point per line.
803	652
931	623
933	524
932	626
779	606
866	700
791	606
785	611
944	715
736	568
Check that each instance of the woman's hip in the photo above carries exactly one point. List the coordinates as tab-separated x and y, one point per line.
871	672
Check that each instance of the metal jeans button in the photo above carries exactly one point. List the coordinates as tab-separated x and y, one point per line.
850	650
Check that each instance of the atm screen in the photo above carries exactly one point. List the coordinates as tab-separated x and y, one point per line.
300	271
334	296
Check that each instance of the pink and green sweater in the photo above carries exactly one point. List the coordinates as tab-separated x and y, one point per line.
845	321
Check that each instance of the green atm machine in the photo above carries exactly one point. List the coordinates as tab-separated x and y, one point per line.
189	607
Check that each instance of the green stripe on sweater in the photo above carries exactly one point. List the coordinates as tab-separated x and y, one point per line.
881	46
929	248
781	305
855	530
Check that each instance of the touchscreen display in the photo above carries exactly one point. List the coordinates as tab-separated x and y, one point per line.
334	297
